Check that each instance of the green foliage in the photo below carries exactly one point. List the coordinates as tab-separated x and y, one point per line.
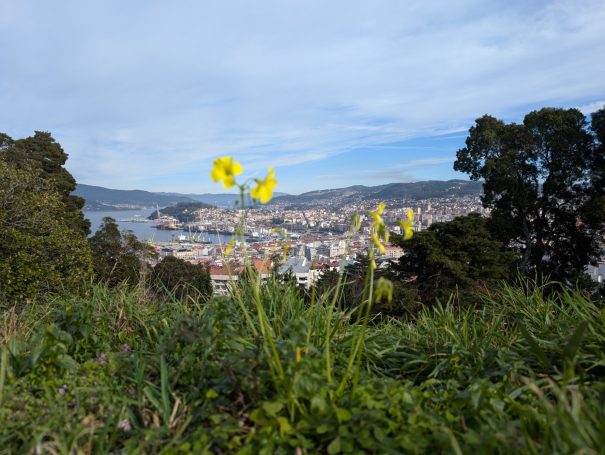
455	257
404	302
544	183
524	373
41	151
116	255
181	278
183	211
41	250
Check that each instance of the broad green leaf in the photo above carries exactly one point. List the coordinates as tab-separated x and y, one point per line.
335	446
272	407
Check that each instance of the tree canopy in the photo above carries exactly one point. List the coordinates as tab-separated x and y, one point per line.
116	255
457	255
543	181
42	151
41	250
182	278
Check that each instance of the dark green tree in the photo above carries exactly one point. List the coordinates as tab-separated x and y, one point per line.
40	250
352	283
181	278
541	182
117	256
459	255
352	288
43	151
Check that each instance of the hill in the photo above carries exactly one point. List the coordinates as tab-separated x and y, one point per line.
182	211
223	200
99	198
402	191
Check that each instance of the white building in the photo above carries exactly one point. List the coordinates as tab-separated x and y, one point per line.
300	267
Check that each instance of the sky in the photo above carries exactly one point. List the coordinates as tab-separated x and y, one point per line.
145	94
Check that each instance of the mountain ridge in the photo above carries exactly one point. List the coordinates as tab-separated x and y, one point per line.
101	198
424	189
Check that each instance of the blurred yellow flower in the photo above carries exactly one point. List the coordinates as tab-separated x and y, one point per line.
407	226
384	289
263	190
298	354
225	170
378	243
379	229
229	248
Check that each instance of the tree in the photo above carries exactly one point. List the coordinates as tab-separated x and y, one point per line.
40	249
352	282
43	151
541	182
182	278
116	256
459	255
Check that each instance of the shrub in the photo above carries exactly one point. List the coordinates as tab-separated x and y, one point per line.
181	278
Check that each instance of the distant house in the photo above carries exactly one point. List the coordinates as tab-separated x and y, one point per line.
392	252
300	267
223	276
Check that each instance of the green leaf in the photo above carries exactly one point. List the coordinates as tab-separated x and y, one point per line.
323	428
334	446
272	407
533	344
66	362
571	349
343	415
284	425
318	404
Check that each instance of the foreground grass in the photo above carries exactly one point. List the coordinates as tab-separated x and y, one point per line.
265	372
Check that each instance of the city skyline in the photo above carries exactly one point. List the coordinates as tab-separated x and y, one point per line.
146	96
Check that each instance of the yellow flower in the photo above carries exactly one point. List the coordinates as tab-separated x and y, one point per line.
376	215
378	243
384	288
407	226
225	170
230	247
298	354
264	188
379	229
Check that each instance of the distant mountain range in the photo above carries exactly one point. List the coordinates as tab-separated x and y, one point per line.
402	191
218	200
99	198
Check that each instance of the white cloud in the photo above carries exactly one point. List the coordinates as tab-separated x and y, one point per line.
589	108
156	89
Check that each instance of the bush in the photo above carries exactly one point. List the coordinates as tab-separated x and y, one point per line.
41	249
116	255
181	278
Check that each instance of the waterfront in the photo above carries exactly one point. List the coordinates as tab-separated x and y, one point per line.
143	231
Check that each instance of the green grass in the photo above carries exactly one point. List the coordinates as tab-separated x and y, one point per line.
118	371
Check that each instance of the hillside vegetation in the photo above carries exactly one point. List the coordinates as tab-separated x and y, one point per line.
266	372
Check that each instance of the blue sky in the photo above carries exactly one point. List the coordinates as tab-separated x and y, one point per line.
145	94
